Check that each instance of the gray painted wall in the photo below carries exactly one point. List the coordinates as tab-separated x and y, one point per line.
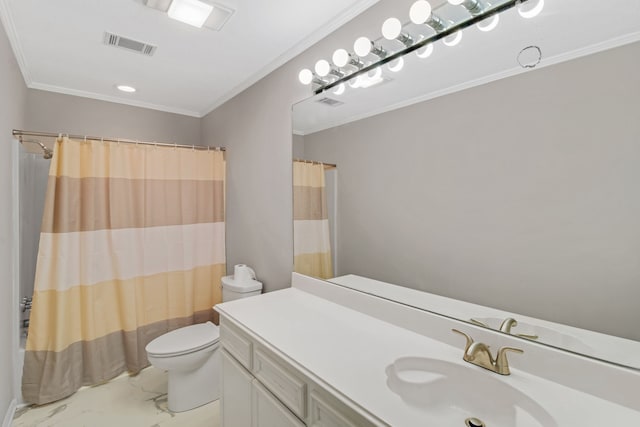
298	146
12	107
521	194
54	112
256	127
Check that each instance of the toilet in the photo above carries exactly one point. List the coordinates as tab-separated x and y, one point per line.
191	354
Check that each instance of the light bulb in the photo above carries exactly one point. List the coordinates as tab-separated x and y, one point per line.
322	68
125	88
339	89
531	8
372	78
396	65
375	74
456	2
391	28
425	51
362	46
489	23
355	82
420	11
340	57
453	39
305	76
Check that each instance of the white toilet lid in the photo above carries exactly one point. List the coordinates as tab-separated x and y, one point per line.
184	340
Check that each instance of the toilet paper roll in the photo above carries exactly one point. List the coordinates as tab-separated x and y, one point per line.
243	273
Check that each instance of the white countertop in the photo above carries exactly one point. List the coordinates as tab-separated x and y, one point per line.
350	351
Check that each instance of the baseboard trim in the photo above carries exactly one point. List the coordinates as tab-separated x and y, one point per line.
8	417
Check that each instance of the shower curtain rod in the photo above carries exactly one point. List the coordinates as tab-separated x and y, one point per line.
313	162
21	133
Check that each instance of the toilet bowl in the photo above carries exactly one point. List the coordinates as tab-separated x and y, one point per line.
191	356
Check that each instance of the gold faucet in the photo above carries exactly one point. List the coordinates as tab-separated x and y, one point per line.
509	323
479	354
506	326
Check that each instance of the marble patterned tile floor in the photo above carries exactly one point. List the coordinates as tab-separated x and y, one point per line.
136	401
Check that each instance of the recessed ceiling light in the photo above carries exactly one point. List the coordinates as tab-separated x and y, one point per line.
125	88
192	12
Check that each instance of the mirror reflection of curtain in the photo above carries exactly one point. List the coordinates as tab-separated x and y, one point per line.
132	245
312	248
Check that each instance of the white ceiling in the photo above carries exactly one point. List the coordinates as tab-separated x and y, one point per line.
566	29
59	47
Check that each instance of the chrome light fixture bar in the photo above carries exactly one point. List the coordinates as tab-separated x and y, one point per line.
478	11
475	7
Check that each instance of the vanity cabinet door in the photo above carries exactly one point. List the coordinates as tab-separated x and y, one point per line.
286	384
269	412
235	403
327	411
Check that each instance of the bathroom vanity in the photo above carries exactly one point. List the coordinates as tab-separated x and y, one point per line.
320	354
263	387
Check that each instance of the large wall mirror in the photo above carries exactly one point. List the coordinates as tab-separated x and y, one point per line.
513	190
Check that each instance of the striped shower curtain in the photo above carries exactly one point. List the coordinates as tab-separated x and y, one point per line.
131	246
311	243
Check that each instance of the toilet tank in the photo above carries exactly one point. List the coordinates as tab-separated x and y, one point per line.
232	290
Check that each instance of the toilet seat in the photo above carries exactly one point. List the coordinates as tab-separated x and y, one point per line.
184	340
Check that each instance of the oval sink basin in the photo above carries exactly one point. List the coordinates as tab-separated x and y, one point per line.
545	335
452	392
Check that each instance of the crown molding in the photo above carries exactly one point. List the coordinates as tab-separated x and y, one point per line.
7	21
300	47
114	99
9	26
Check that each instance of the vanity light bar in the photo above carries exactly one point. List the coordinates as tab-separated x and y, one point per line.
477	11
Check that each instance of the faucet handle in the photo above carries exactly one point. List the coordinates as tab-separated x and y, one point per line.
507	324
529	337
469	339
479	323
502	363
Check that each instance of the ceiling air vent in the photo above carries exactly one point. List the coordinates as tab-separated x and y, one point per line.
111	39
330	102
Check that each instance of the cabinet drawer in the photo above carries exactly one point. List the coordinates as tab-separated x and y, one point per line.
237	343
285	384
326	411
